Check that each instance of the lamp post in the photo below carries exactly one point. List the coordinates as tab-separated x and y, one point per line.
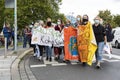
15	22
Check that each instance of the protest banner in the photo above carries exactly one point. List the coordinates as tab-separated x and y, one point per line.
47	37
70	43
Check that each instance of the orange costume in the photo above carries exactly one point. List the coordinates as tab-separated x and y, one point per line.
86	43
70	43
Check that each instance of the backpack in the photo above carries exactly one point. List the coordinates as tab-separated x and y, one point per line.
112	35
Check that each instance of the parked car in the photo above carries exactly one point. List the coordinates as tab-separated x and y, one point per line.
116	40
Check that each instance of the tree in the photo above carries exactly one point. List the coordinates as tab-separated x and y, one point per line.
1	14
29	10
106	16
117	20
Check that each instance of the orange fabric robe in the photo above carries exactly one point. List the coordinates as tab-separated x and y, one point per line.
83	42
86	43
70	43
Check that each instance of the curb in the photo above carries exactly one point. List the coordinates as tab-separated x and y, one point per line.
14	67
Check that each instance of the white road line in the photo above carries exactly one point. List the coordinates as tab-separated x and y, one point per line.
4	69
110	60
60	64
113	56
74	63
48	62
41	65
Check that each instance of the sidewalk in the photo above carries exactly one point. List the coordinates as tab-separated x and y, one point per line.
6	63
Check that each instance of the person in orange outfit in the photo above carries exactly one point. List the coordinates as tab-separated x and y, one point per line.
84	41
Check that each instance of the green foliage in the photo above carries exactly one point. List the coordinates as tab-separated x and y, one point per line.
29	11
107	17
117	20
1	14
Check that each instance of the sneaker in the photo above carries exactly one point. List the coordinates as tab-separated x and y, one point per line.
50	59
40	58
98	67
34	54
84	64
46	58
56	59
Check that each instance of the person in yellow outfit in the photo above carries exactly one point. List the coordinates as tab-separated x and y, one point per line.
86	41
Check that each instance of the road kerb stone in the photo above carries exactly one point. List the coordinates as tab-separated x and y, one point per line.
14	67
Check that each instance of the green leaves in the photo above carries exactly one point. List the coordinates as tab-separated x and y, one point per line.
107	17
29	11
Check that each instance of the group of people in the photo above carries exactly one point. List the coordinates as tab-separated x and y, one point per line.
102	34
40	49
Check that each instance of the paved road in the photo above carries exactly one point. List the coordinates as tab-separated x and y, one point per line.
46	70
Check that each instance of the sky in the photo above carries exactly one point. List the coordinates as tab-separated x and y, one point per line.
89	7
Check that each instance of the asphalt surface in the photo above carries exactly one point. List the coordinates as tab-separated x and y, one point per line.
45	70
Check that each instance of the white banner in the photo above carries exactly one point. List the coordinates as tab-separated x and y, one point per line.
47	37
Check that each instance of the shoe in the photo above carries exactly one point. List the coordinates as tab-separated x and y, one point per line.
98	67
40	58
34	54
84	64
50	59
46	58
56	59
67	61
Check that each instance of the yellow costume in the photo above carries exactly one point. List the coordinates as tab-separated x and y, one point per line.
86	43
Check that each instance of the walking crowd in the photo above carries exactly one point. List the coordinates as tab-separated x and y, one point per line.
90	39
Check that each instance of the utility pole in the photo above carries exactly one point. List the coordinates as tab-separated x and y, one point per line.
15	22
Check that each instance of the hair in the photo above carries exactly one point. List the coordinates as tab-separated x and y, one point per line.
97	17
86	15
109	25
79	16
61	21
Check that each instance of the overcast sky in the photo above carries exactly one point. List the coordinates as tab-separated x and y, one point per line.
90	7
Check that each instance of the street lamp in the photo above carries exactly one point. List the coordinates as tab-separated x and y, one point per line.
15	22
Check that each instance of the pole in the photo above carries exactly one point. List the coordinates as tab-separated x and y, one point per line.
15	19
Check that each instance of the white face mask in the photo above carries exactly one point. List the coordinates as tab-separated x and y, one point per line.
97	21
58	23
78	19
101	22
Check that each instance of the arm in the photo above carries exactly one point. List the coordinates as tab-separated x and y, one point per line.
105	37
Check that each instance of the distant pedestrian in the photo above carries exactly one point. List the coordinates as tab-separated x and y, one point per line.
27	36
109	35
7	33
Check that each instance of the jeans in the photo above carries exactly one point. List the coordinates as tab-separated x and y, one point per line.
99	51
8	42
48	50
26	39
37	50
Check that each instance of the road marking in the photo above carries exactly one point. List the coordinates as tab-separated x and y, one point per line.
110	60
41	65
60	64
4	69
74	63
48	62
113	56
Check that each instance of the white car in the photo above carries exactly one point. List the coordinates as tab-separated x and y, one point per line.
116	40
